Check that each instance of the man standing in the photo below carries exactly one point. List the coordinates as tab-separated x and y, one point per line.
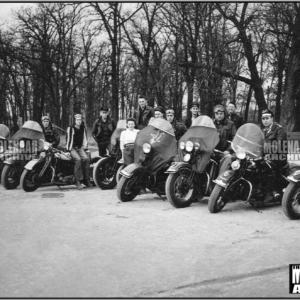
51	133
178	127
236	119
274	135
102	130
226	130
77	144
194	109
144	113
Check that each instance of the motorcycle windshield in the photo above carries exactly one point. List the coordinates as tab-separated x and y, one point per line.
4	132
204	132
115	138
159	134
250	138
31	130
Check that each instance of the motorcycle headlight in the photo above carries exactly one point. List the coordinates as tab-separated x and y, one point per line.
189	146
187	157
196	146
42	155
240	153
182	145
22	144
1	149
235	165
146	148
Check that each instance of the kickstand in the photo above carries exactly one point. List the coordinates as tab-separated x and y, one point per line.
164	199
254	207
59	187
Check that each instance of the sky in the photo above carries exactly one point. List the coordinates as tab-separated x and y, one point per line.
6	8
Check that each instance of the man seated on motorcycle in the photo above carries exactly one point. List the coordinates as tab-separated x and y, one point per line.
227	131
159	112
77	144
102	130
51	133
127	140
178	127
274	135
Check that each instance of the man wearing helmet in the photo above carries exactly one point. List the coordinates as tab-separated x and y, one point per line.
178	127
51	133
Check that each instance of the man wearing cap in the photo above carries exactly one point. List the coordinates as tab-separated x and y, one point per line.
159	112
194	109
77	144
236	119
51	133
178	127
226	130
144	113
274	132
103	129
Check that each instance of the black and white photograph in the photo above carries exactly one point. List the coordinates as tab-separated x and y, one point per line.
149	150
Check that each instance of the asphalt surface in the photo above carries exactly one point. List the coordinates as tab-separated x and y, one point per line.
68	243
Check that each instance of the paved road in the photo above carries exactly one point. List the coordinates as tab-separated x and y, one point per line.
69	243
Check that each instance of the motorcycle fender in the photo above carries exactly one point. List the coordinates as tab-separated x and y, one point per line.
174	168
31	164
295	177
224	178
128	171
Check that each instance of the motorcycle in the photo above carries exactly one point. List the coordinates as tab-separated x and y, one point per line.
105	170
197	166
25	146
291	196
155	149
4	134
53	167
250	176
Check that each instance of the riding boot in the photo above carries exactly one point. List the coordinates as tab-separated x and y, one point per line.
79	185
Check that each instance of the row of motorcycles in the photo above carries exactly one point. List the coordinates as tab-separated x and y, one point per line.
183	171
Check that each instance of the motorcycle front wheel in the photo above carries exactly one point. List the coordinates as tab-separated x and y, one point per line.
119	176
291	201
179	190
216	200
104	174
29	179
129	188
10	177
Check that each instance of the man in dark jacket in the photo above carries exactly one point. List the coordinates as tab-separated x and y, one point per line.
236	119
102	130
144	113
51	133
194	109
226	130
178	127
274	135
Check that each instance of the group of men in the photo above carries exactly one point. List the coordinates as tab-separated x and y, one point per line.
226	123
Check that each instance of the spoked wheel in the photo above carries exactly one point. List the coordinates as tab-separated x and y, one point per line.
104	173
129	188
10	177
217	201
30	180
291	201
119	176
179	189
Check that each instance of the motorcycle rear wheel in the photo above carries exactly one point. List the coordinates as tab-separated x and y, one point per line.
216	200
29	179
10	178
178	191
104	175
291	201
129	188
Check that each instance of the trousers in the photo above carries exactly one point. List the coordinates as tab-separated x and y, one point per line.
82	164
